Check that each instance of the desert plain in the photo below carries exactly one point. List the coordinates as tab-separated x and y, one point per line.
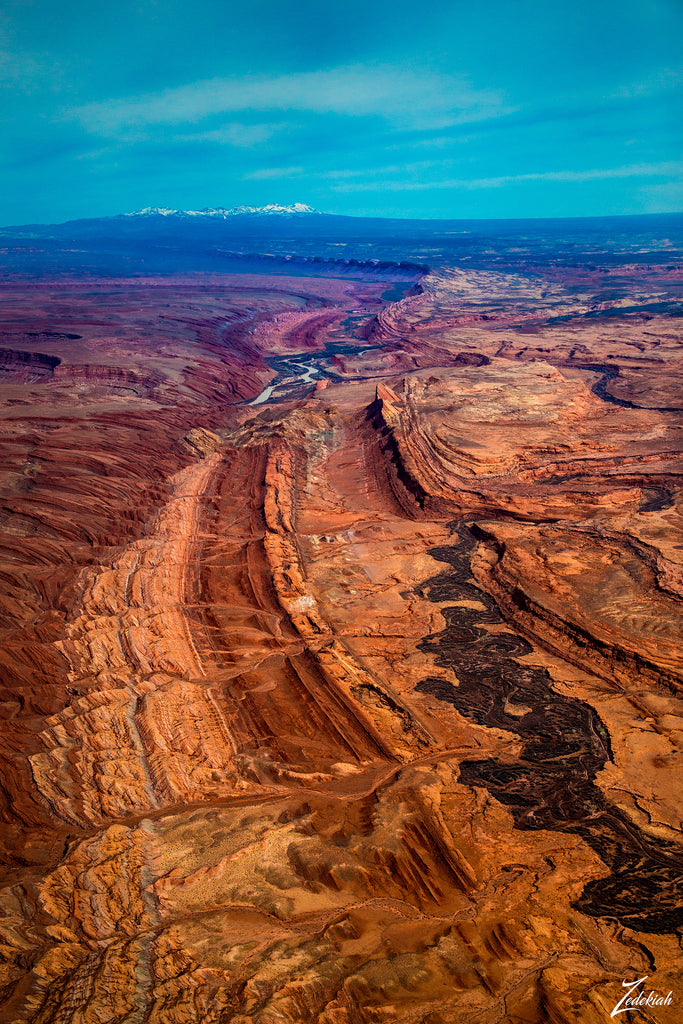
341	664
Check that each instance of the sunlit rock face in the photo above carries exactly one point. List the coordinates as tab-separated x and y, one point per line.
341	677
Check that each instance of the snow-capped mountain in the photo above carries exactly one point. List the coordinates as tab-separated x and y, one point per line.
221	213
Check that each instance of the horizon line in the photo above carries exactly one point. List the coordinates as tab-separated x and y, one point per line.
352	216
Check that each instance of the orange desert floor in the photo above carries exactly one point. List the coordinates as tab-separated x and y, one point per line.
341	666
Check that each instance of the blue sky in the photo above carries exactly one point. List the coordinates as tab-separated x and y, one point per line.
483	108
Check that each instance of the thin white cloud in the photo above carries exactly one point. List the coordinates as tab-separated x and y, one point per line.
23	71
664	169
268	173
662	197
244	136
402	96
662	81
413	167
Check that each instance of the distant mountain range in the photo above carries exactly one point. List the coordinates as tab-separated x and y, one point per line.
244	238
221	213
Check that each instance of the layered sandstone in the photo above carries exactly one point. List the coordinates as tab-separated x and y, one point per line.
361	704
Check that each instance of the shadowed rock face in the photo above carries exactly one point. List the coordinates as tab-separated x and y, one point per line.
359	704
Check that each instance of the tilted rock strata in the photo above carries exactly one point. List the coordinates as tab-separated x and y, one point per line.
358	708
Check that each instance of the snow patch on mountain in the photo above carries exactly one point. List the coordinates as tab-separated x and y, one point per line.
221	213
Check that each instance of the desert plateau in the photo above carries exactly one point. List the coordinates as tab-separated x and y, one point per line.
341	674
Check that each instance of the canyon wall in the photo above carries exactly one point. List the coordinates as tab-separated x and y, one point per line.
340	673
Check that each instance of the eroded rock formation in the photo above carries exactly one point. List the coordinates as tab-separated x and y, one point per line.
341	675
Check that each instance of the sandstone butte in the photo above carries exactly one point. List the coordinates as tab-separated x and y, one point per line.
360	704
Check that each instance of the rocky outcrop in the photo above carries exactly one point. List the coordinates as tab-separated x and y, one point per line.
358	706
26	367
